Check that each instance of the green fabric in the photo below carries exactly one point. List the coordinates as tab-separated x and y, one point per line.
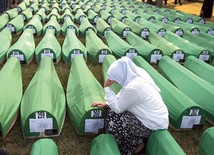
48	46
149	52
87	8
35	24
92	16
85	26
191	49
43	94
67	14
16	24
56	6
158	16
206	36
12	13
65	8
102	27
132	16
27	14
173	17
106	16
97	50
119	16
69	24
104	144
146	16
52	24
165	46
212	63
54	12
72	46
4	18
200	68
5	43
21	7
46	8
79	16
10	77
98	9
24	48
109	59
161	142
193	86
193	17
119	27
205	146
179	105
44	146
42	15
82	90
35	7
137	28
119	47
205	28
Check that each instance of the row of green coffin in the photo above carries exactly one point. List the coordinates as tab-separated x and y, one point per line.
160	142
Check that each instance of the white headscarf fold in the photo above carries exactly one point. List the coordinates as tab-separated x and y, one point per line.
124	71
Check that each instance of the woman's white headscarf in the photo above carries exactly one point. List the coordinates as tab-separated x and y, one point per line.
124	70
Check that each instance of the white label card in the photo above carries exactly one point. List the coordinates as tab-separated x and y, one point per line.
178	56
17	55
40	125
96	113
48	53
155	57
92	125
40	115
189	121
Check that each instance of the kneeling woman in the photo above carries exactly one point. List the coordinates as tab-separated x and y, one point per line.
137	110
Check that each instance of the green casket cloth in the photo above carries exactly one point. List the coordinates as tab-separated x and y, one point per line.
5	43
44	146
200	68
76	8
98	9
81	4
52	24
209	29
34	7
205	146
119	16
102	27
35	24
12	13
73	5
193	86
56	7
27	2
165	46
82	90
106	16
27	14
162	142
48	46
108	60
11	93
121	9
119	47
132	16
92	16
148	51
97	50
67	14
191	49
140	30
212	63
146	16
206	36
158	16
4	18
104	144
24	48
65	8
109	9
72	46
85	26
42	15
16	24
43	94
179	105
87	8
173	17
21	7
69	24
45	7
54	12
152	27
119	27
79	16
194	17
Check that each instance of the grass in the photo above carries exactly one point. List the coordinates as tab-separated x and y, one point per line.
69	142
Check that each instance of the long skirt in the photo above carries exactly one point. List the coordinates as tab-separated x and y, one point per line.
128	131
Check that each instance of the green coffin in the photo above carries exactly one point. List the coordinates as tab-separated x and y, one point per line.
166	47
85	26
184	113
69	24
12	13
119	16
120	28
147	17
53	25
132	16
173	17
209	29
104	144
191	49
200	68
72	47
34	7
35	25
54	12
27	14
148	51
43	105
102	27
44	146
97	49
5	43
79	16
82	90
45	7
212	63
158	16
207	36
193	17
24	48
161	142
92	16
137	28
119	47
56	6
67	14
11	94
87	8
21	7
205	146
193	86
106	16
4	18
109	59
48	46
16	24
42	15
65	8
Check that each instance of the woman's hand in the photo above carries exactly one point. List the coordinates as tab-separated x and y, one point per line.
99	104
108	83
